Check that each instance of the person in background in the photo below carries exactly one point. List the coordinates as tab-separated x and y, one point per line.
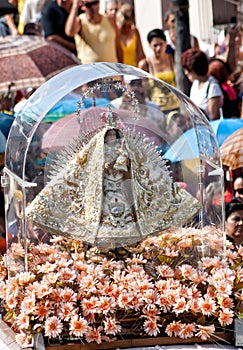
33	28
111	8
53	20
148	109
176	124
234	221
213	204
170	33
130	41
31	12
229	44
11	21
151	117
205	90
221	72
95	37
238	189
161	65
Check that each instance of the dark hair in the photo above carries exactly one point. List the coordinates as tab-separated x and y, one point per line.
156	33
219	70
118	133
33	28
195	60
232	206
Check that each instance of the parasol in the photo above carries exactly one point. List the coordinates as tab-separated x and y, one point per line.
223	128
185	147
28	61
6	121
231	150
2	145
69	104
65	130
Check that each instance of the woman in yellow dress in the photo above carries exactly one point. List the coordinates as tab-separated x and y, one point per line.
161	65
129	36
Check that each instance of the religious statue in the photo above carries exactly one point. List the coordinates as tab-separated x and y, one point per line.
113	190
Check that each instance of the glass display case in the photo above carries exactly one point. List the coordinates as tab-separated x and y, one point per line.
182	139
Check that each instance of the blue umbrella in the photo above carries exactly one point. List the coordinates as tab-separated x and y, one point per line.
186	147
6	121
2	143
69	104
223	128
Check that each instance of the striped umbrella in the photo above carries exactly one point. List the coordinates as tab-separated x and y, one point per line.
231	150
28	61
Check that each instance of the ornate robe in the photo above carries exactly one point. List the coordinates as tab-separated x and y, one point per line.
112	207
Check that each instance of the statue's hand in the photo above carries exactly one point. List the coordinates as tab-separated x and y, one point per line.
107	165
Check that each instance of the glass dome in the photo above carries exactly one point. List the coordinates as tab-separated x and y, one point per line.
167	143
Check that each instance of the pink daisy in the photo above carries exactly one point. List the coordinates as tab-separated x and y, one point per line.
111	326
93	335
151	327
173	328
205	332
68	295
207	305
187	330
78	326
53	327
105	305
67	275
42	309
23	321
66	311
89	305
180	306
226	317
25	278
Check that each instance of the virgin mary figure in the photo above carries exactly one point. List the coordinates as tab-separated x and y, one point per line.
114	190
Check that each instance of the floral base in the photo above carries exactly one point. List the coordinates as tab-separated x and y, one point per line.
226	338
86	297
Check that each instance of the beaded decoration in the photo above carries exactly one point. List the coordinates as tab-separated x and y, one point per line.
105	86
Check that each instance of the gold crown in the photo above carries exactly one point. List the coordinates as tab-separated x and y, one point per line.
109	118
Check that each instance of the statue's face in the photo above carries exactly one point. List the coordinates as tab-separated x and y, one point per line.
110	136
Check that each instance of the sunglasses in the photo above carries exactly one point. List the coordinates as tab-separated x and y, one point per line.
88	5
240	190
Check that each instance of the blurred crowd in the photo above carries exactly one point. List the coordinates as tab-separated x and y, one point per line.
112	36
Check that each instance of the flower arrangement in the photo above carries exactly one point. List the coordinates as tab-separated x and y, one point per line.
163	287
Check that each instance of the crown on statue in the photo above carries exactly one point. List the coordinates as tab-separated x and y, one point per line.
109	117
